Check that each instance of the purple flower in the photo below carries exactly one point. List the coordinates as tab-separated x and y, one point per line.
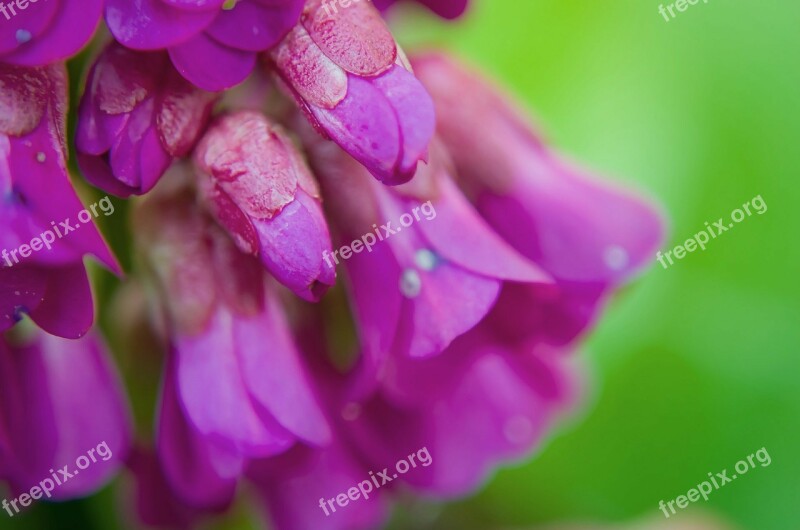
590	237
444	8
433	268
354	85
43	240
199	472
478	405
45	31
58	399
258	187
212	43
136	116
229	340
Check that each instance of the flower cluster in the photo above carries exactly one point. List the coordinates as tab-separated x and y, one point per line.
263	134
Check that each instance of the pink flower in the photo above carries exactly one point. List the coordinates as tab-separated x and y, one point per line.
58	399
590	237
258	187
136	116
230	346
350	78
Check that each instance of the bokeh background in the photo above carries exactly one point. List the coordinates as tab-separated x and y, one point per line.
694	367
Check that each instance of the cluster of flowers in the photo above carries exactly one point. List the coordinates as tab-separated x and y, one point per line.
460	328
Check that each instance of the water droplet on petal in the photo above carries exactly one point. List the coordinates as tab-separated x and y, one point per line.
23	36
41	157
518	430
616	257
410	283
426	259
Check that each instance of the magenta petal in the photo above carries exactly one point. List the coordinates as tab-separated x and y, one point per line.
292	247
188	459
365	125
21	290
276	377
47	177
292	482
154	160
195	5
98	173
482	251
210	65
377	312
153	498
561	205
496	408
450	302
209	371
415	116
72	404
72	27
67	309
35	21
557	317
97	131
152	25
255	27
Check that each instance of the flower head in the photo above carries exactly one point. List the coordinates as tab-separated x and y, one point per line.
355	87
136	116
227	335
258	187
433	269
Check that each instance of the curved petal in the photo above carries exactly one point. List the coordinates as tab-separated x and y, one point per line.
72	27
210	65
153	24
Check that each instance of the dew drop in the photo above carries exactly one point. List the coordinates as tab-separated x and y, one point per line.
23	36
616	257
426	259
41	157
410	283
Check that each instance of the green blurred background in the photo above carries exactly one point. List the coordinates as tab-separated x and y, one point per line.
694	367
